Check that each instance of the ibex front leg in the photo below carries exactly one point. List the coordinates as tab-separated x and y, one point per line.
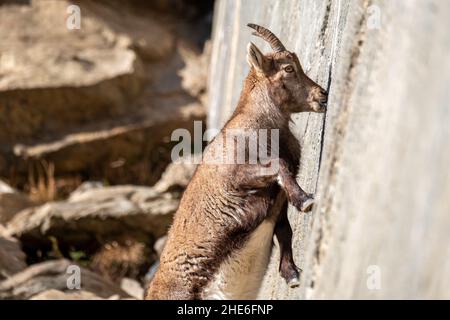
259	176
283	232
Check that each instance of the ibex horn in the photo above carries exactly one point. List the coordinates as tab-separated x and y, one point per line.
267	35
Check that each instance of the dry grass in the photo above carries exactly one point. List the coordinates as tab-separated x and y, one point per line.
41	181
122	258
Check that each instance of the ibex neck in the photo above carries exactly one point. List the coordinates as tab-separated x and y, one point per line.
256	104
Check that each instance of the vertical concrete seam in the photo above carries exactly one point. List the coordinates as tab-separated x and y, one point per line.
331	62
319	242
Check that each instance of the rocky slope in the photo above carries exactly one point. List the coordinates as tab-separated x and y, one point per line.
86	117
113	234
100	101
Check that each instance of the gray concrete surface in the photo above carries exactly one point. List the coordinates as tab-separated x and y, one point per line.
378	160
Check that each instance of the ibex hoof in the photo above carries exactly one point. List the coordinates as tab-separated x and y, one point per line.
303	203
294	280
307	204
291	274
294	283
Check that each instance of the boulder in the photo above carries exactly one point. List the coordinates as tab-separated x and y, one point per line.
54	294
100	99
113	146
55	274
132	287
159	245
86	186
11	202
98	212
3	231
12	258
53	77
194	75
176	176
38	44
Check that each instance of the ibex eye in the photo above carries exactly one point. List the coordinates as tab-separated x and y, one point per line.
289	69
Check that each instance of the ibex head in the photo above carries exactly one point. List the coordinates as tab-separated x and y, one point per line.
282	71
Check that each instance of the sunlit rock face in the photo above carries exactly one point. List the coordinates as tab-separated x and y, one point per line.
377	161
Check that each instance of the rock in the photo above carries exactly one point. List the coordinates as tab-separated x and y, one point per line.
154	45
49	275
12	258
11	202
117	144
90	100
3	231
5	188
195	72
50	73
86	186
132	287
100	212
176	175
159	245
88	55
54	294
151	273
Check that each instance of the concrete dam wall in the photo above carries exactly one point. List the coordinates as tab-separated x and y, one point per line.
378	160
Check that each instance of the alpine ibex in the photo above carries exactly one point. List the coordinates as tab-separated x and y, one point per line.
221	238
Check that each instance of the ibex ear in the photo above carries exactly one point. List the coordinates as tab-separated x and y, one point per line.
255	58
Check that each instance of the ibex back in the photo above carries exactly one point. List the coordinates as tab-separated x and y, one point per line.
220	242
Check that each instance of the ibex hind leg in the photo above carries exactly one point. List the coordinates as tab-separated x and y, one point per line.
283	232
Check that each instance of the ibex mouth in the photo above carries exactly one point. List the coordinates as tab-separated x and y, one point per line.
320	104
320	107
323	106
323	101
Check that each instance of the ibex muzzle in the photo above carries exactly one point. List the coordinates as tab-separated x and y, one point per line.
284	74
219	244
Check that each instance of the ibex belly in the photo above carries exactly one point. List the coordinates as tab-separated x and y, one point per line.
241	274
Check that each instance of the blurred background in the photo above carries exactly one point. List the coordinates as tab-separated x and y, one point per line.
89	97
87	108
